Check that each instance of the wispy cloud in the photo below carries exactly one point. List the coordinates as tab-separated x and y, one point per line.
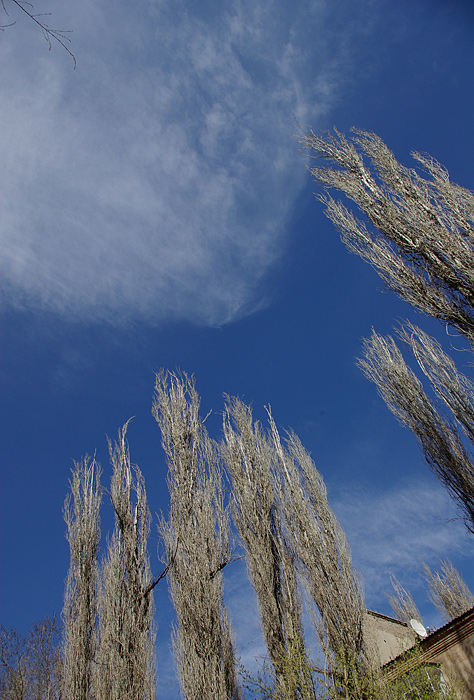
397	529
155	180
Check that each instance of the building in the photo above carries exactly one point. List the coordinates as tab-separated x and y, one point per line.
388	637
445	655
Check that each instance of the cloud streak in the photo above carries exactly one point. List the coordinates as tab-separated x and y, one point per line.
155	181
397	529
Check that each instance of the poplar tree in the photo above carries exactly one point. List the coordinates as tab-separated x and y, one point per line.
402	603
80	611
126	665
323	558
196	535
448	591
250	459
440	437
420	239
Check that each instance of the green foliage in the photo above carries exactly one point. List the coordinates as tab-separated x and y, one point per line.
420	680
297	679
416	680
300	679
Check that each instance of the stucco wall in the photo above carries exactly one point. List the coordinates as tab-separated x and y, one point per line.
387	637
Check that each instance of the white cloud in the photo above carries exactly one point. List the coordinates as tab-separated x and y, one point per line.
397	529
155	180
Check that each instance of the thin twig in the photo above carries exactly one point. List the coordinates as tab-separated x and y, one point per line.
58	35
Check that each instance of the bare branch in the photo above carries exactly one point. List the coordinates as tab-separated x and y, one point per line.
30	665
402	603
403	393
50	34
422	236
161	576
448	591
453	388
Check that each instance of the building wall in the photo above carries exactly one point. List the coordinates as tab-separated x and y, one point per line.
454	651
387	637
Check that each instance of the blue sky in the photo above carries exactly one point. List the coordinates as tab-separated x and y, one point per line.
156	212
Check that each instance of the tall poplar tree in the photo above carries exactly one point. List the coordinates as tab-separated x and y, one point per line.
323	558
420	239
80	612
126	660
197	540
250	459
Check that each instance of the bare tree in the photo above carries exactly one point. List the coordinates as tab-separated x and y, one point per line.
51	35
322	552
13	669
126	666
80	611
30	665
422	244
448	591
197	540
250	458
45	665
403	393
422	240
402	603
